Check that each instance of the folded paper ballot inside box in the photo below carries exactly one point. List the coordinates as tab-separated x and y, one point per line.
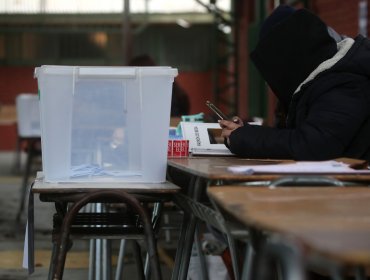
104	123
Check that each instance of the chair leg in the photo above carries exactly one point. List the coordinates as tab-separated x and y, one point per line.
156	216
17	159
120	259
106	259
248	262
92	259
201	256
285	254
138	260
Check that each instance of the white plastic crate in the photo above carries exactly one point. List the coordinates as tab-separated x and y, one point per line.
104	123
28	115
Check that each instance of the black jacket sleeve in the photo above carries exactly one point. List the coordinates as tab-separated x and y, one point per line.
325	124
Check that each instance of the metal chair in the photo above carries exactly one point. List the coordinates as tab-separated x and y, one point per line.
258	241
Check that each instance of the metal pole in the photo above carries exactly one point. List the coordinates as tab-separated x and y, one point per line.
362	17
126	33
120	260
42	6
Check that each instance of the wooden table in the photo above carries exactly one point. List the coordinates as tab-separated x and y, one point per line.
8	115
206	171
329	222
215	168
63	194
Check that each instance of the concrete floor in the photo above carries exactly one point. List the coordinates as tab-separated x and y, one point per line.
12	236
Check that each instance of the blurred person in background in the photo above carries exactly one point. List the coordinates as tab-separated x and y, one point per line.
180	104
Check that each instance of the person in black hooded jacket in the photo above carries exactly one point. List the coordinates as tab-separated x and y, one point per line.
321	80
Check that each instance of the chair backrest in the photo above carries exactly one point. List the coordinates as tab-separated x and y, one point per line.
306	180
28	115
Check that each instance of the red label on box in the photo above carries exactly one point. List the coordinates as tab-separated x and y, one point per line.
170	148
178	148
185	148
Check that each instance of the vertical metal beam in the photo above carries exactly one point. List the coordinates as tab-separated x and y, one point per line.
126	33
43	6
362	17
236	28
225	57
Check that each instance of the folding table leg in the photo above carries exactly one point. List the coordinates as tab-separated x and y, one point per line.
189	238
360	273
182	244
337	273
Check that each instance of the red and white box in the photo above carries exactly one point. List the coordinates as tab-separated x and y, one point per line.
178	148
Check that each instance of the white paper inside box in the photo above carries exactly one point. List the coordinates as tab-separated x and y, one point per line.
104	123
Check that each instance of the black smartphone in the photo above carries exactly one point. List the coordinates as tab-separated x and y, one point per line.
217	111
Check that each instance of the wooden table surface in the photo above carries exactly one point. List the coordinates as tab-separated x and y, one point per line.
330	221
41	187
215	168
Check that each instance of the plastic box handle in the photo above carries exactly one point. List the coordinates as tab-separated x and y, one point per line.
106	72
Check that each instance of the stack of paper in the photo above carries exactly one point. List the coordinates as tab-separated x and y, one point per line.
313	167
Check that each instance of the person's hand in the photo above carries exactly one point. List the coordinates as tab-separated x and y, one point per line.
229	126
238	120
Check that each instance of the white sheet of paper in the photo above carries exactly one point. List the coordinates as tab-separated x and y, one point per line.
314	167
211	152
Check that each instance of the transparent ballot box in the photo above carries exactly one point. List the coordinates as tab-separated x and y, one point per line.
104	123
28	115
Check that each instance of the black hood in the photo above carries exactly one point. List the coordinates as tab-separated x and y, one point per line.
291	50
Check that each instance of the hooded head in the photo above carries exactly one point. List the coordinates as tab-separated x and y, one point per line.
292	44
279	14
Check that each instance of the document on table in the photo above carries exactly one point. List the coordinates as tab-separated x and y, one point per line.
211	152
204	138
306	167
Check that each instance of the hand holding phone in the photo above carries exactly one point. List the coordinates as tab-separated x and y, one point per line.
221	115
